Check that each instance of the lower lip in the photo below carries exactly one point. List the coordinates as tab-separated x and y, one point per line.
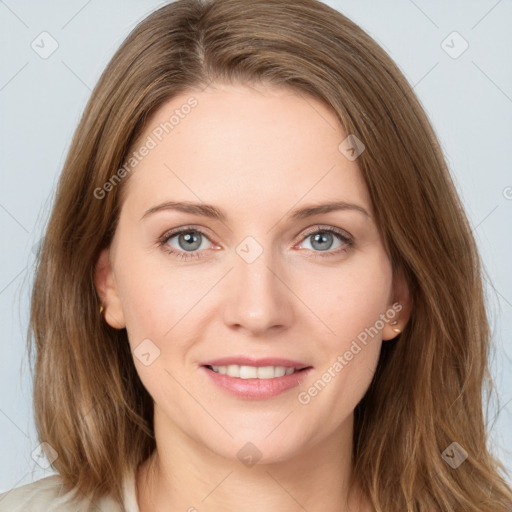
256	389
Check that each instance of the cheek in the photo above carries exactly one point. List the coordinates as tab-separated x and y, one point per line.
151	295
153	305
164	302
350	297
353	306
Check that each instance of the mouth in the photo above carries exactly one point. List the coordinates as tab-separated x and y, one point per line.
261	380
250	378
255	372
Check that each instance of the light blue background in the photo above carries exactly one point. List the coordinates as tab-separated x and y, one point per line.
468	99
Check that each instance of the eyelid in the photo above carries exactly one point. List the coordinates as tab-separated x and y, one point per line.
325	227
187	227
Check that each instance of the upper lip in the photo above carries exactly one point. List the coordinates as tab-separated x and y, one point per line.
249	361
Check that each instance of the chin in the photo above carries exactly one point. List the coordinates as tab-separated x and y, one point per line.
255	448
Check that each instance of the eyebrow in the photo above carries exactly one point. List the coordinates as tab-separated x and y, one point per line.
212	212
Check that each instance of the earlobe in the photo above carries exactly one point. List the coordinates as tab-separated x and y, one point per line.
394	327
110	307
399	310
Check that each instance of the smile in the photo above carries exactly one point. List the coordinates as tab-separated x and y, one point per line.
255	382
253	372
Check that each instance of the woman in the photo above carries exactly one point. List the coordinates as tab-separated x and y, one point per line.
197	347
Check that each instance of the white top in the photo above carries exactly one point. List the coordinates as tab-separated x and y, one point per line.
45	495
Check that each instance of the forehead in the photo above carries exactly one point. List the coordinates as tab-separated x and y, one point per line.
242	145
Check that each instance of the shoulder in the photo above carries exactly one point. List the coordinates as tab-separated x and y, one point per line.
44	495
39	495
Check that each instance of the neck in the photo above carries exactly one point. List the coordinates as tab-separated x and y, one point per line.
185	475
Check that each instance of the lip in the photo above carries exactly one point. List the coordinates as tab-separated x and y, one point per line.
249	361
256	389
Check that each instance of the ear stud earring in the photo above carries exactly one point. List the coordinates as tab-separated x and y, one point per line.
101	308
396	329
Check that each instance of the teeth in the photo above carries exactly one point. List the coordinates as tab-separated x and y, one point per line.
253	372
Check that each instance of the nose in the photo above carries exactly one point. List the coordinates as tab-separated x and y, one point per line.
257	296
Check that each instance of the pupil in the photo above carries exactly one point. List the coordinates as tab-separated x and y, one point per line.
191	241
321	238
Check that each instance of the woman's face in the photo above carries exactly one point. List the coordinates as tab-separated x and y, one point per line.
258	274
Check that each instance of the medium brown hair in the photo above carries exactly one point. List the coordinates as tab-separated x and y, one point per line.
90	404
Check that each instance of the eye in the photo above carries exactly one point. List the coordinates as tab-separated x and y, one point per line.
184	242
322	239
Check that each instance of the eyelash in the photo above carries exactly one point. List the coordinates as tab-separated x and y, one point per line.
184	255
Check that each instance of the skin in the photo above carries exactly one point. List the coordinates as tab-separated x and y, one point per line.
256	152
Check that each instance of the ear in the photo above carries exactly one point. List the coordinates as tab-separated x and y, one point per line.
105	283
401	304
